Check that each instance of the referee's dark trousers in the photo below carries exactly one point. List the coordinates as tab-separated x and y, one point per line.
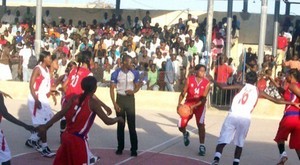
127	105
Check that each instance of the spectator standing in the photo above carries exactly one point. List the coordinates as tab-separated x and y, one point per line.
24	55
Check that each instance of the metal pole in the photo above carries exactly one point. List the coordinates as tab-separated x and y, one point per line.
287	8
262	35
229	28
209	22
245	7
118	4
276	25
38	32
4	6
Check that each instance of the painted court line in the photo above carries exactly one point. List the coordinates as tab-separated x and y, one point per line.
152	148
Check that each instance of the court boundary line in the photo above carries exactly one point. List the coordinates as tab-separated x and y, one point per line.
111	148
157	146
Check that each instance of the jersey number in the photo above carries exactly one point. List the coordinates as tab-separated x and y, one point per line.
74	80
244	98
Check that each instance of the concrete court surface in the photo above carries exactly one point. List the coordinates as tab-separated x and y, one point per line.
157	134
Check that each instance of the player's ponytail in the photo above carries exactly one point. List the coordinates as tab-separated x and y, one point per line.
89	85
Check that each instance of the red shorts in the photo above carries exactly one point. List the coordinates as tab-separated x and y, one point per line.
289	125
72	151
199	113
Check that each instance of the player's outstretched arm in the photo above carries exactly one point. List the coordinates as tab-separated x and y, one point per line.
103	105
9	117
96	107
277	101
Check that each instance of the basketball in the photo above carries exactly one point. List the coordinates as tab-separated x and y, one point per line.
184	110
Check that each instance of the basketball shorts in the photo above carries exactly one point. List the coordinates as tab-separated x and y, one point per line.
289	125
4	149
234	128
199	113
72	151
40	116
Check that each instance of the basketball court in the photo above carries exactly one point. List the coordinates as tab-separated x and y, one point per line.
160	142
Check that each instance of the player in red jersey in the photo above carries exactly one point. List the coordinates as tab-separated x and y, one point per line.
72	84
290	123
196	87
80	112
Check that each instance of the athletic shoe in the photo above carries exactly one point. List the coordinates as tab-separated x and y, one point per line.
134	153
94	159
34	144
215	162
47	152
202	150
186	139
283	159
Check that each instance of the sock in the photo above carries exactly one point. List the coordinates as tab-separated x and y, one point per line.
281	148
44	145
34	137
202	144
217	156
236	161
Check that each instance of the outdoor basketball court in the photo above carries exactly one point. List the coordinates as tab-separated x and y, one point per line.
160	142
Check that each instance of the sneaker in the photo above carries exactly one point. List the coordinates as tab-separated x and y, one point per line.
134	153
94	159
202	150
119	152
34	144
47	152
186	139
215	162
283	159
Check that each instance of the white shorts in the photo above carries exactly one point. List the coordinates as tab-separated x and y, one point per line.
5	72
4	149
234	127
40	116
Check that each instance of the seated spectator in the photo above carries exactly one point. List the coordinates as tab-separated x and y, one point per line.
143	57
106	76
152	78
98	73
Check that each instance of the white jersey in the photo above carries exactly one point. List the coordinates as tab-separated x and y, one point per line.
41	86
244	102
42	83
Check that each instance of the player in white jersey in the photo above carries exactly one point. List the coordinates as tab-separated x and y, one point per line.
5	154
237	123
38	102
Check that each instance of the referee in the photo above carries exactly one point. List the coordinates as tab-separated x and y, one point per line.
126	82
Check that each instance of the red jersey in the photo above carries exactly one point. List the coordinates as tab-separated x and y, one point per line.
74	80
80	119
290	96
195	89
